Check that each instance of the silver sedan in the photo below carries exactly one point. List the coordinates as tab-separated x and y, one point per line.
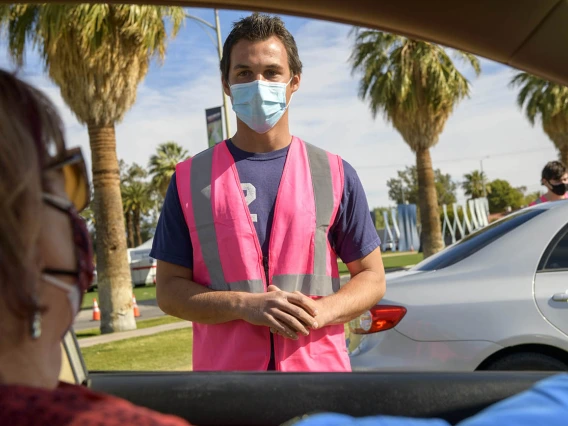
496	300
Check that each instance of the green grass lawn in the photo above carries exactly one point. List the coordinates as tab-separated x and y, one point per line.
167	351
153	322
142	293
392	260
398	260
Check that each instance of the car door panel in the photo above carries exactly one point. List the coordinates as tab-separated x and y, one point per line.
273	398
551	282
548	287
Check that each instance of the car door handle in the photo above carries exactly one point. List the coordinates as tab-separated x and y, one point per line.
560	297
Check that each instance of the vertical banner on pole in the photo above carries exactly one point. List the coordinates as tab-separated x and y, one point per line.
214	118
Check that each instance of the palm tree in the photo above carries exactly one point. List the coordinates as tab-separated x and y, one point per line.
137	201
98	54
127	175
163	164
549	101
415	85
475	184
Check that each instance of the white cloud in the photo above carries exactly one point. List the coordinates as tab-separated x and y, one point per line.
326	112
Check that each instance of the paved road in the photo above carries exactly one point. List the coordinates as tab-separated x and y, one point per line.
148	309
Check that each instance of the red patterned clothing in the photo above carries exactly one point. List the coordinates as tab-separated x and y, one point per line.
71	405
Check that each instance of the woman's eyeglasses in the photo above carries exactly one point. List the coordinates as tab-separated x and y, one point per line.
74	170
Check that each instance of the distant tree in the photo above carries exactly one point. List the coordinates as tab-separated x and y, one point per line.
404	188
474	184
137	202
379	219
445	187
503	195
138	199
163	164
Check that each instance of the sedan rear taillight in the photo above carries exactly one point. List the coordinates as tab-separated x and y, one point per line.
378	318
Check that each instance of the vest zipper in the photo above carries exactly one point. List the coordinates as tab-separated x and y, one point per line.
272	337
265	265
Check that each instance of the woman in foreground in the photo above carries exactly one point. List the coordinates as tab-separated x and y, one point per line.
46	266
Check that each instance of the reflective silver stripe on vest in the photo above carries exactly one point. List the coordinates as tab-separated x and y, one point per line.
323	193
313	285
249	286
201	166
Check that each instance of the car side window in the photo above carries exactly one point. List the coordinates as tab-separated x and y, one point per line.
556	257
474	242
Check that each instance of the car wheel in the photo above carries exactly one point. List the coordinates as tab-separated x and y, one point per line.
527	361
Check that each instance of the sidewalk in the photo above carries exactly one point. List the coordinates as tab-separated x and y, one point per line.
114	337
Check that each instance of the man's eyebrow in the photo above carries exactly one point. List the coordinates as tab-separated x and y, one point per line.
246	67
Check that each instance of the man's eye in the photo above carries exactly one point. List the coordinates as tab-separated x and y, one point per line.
243	73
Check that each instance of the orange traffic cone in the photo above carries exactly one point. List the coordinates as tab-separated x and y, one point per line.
135	307
96	311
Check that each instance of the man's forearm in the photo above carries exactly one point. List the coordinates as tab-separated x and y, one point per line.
361	293
188	300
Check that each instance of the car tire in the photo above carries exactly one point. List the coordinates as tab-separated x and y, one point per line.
527	361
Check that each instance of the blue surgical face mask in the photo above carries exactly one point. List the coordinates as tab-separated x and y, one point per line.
259	104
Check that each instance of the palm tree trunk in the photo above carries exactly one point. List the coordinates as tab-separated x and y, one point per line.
114	281
428	204
564	153
130	229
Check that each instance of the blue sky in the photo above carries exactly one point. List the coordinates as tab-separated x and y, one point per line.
325	111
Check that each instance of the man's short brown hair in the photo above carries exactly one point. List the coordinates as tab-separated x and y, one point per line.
260	27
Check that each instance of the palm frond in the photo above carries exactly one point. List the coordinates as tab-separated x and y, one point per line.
541	99
96	53
413	84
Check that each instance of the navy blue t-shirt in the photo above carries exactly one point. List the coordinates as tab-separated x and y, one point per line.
352	235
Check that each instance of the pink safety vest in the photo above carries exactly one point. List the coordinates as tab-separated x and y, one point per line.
227	255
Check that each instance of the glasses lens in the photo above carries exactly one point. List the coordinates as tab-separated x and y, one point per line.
76	186
76	179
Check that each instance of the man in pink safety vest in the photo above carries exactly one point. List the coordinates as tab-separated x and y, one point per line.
251	229
555	179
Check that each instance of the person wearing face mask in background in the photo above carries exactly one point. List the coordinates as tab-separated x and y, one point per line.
555	179
249	234
46	266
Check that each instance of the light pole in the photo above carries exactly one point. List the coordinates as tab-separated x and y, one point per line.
217	29
483	176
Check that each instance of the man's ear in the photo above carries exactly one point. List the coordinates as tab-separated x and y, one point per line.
226	87
295	83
